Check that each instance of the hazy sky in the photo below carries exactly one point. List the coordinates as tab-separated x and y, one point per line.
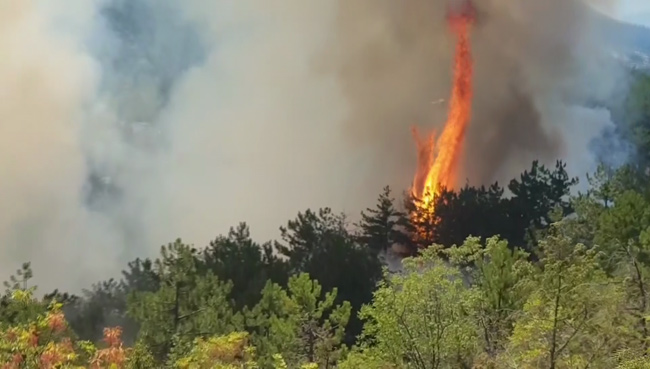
637	11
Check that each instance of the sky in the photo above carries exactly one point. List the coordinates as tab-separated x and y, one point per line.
635	11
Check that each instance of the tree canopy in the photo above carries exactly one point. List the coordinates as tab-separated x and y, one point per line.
531	275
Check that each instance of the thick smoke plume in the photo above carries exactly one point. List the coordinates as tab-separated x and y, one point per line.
45	80
393	58
128	123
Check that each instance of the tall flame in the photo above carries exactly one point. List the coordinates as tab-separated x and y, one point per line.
438	158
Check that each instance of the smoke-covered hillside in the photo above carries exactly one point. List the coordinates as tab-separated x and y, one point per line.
624	36
630	43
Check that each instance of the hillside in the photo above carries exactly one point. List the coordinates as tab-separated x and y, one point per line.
628	42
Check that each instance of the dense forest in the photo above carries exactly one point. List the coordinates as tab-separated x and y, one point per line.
530	275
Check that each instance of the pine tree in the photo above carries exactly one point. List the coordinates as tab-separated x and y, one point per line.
498	273
572	316
535	194
419	222
379	228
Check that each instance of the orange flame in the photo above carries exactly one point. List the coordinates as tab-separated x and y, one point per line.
438	161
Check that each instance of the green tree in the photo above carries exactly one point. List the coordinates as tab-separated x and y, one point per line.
483	211
633	117
499	274
140	276
321	324
536	194
422	319
571	318
624	234
319	243
248	265
20	311
140	357
186	306
219	352
40	337
369	359
273	331
384	226
593	207
471	211
302	323
20	280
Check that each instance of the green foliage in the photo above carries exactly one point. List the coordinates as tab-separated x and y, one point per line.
624	235
633	117
220	352
537	280
40	339
628	359
319	243
20	279
236	258
17	305
369	359
499	274
140	276
302	323
186	306
272	328
570	318
624	222
423	319
535	195
321	324
105	303
140	357
476	211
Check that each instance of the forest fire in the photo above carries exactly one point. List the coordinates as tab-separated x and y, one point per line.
438	157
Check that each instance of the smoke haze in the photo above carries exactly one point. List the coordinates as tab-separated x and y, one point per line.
394	58
129	123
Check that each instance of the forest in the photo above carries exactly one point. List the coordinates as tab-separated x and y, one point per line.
530	275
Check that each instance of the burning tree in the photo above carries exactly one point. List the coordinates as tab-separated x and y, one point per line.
438	157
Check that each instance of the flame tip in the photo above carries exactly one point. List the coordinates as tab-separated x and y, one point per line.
438	157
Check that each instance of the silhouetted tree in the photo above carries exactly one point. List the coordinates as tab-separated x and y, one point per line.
248	265
472	211
384	226
483	211
319	243
140	276
535	195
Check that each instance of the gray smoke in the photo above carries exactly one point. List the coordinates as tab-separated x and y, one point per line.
531	59
129	123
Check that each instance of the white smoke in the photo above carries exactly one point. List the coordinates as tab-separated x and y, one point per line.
255	133
125	124
46	79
